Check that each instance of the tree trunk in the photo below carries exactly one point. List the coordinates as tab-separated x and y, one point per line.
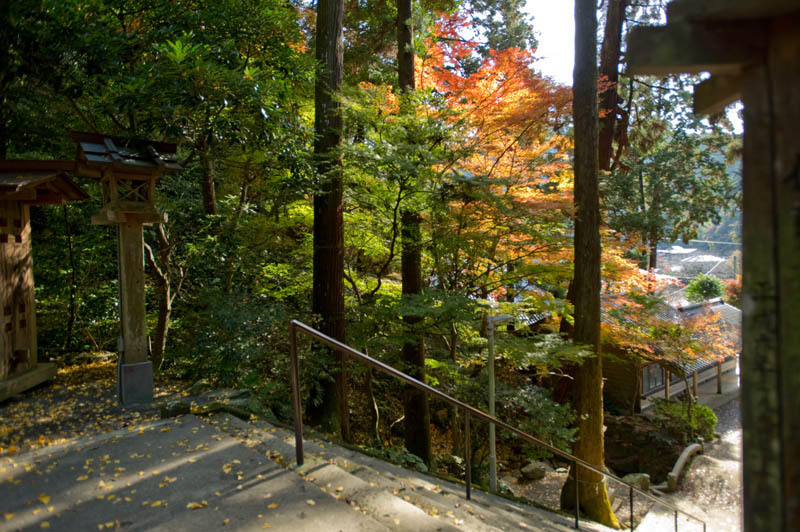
331	410
163	270
609	70
588	393
209	189
653	262
73	284
415	402
162	325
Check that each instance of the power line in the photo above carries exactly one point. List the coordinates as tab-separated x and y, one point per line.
716	242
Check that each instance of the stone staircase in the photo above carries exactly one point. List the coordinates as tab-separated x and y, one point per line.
395	498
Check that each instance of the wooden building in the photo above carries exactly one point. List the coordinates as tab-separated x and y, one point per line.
630	379
22	184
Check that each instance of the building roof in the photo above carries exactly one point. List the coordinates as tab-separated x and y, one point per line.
27	182
728	313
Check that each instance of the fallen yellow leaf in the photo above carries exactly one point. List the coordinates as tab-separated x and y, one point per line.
44	498
196	505
45	524
82	477
9	516
310	502
272	505
226	521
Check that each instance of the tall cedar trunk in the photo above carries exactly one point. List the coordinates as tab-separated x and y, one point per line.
609	70
415	402
330	410
588	393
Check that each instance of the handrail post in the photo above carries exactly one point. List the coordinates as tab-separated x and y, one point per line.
577	496
467	455
676	520
298	415
630	494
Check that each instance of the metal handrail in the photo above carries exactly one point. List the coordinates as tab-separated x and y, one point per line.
296	325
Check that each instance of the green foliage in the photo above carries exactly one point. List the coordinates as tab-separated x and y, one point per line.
537	414
704	287
404	458
674	177
92	321
674	418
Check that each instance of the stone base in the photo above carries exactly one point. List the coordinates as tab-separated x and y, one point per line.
25	381
135	383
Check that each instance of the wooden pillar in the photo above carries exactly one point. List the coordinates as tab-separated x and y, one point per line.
770	362
752	49
694	384
18	318
719	378
131	293
666	385
135	371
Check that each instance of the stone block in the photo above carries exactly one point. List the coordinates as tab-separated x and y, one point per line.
135	383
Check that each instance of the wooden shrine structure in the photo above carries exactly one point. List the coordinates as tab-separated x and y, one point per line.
128	170
751	48
22	184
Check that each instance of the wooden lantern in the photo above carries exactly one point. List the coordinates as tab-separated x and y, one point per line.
22	184
128	171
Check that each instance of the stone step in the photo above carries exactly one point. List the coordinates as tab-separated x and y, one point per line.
367	481
393	512
174	475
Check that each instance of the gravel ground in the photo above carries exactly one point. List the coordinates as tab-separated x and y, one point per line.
714	480
712	486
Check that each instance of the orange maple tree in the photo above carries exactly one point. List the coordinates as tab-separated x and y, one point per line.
508	200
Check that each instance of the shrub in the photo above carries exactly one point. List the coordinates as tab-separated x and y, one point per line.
703	287
673	416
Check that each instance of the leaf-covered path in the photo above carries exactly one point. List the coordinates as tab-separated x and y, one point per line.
79	462
81	401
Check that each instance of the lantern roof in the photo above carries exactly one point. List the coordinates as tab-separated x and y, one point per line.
124	158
